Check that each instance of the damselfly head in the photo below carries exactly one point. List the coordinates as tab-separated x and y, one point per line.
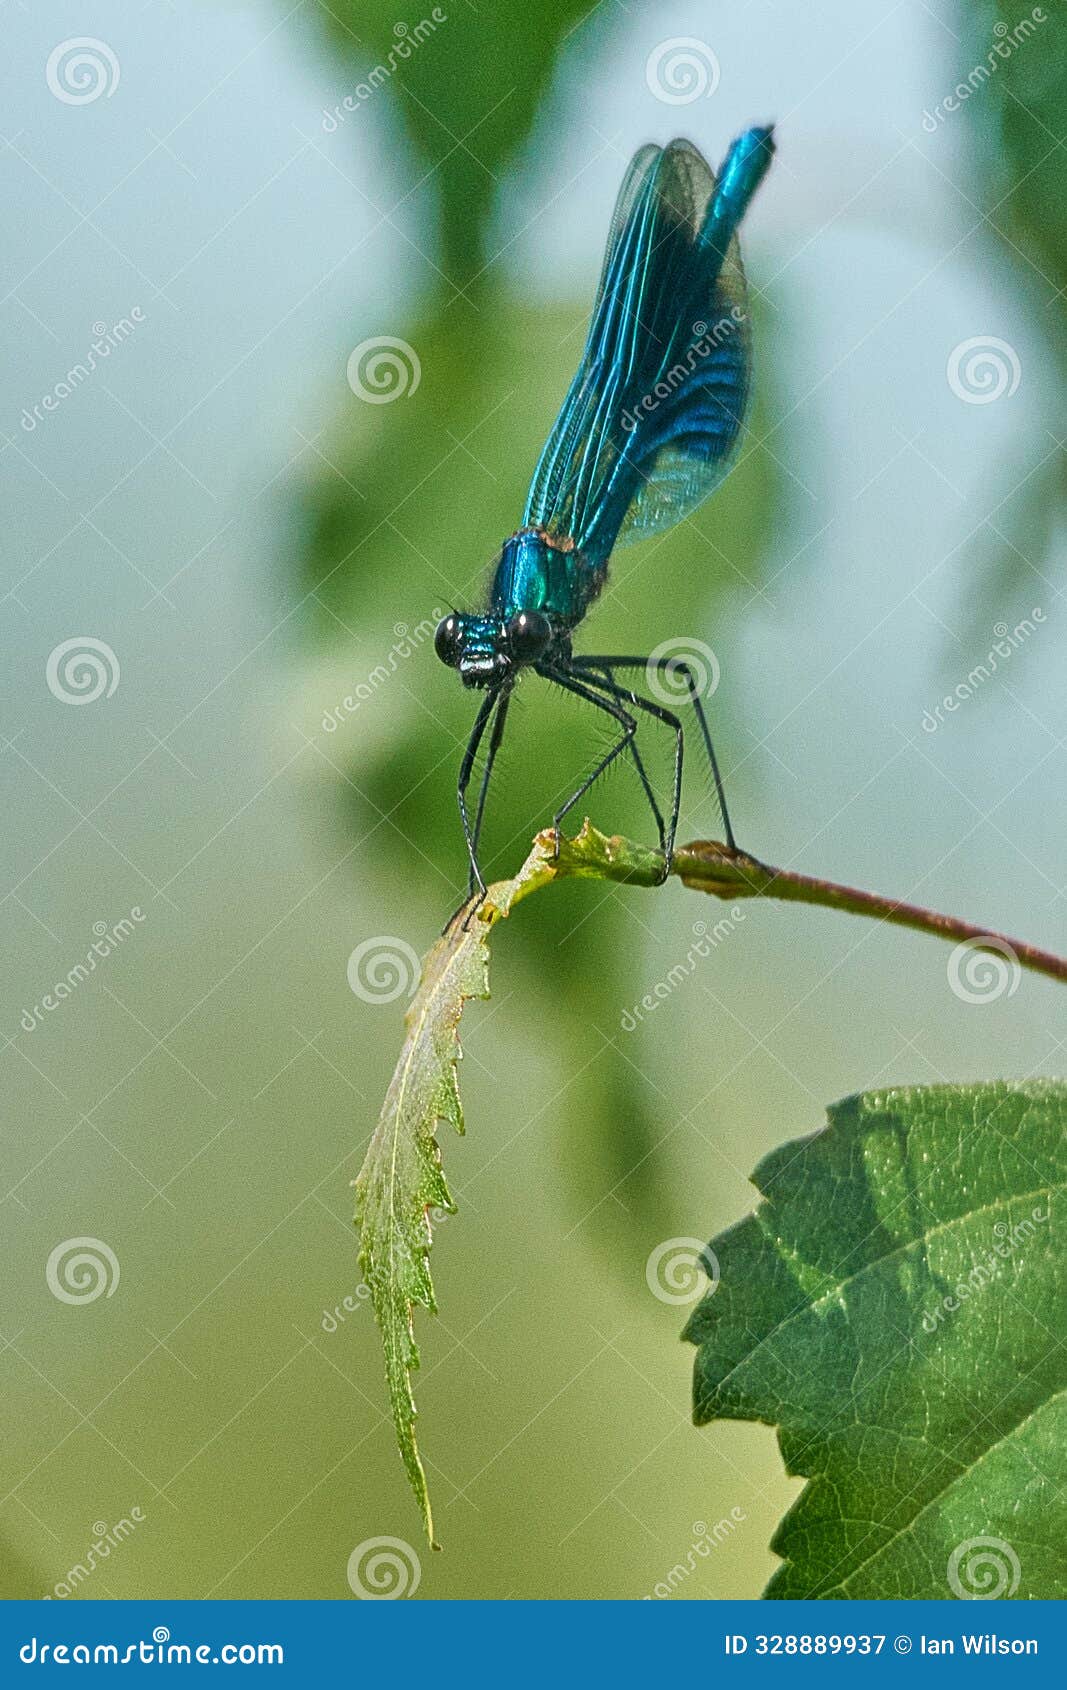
487	649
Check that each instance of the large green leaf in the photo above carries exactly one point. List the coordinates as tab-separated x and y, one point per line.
894	1307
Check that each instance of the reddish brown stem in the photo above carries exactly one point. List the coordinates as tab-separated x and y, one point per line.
710	867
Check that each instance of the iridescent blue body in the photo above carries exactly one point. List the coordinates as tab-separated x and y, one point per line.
644	435
536	572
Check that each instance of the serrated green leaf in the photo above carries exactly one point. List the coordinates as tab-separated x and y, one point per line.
401	1179
895	1308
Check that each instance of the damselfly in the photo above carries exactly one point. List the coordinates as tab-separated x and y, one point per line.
643	437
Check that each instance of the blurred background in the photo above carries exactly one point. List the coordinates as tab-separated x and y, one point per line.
220	530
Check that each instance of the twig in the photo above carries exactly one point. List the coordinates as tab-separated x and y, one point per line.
708	866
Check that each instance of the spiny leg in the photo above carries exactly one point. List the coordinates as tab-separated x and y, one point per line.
695	700
480	722
662	714
605	679
490	758
676	665
573	683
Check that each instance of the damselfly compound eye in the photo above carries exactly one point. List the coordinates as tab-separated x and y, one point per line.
447	641
528	635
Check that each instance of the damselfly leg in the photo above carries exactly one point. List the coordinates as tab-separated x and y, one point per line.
466	768
601	676
490	758
673	667
595	679
638	762
498	699
581	688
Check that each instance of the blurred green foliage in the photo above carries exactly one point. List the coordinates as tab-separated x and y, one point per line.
468	98
1025	184
1017	130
